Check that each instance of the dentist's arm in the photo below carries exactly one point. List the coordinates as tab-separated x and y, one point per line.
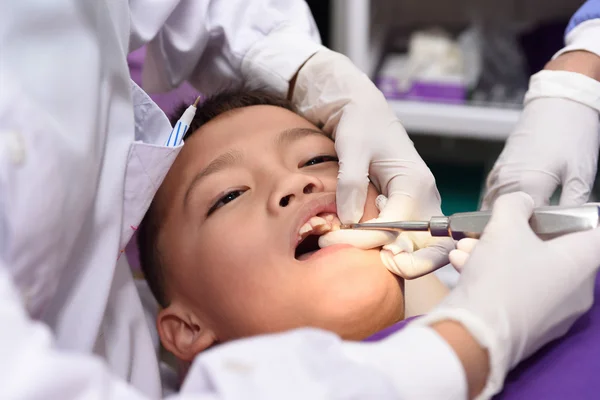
506	280
221	44
556	140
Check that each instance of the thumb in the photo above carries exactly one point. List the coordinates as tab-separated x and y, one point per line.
352	186
360	239
458	259
503	180
511	211
396	207
416	264
460	256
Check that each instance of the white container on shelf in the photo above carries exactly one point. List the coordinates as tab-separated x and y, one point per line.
359	29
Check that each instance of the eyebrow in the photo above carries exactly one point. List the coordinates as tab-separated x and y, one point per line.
291	135
235	157
223	161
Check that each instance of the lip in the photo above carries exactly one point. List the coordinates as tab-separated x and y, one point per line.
328	250
323	204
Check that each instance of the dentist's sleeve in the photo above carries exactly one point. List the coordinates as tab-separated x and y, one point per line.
414	363
218	44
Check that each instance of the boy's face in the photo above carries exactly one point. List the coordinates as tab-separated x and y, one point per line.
234	202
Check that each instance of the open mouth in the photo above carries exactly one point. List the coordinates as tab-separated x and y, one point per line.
307	247
309	233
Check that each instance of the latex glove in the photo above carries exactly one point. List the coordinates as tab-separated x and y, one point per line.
460	255
555	142
409	255
517	292
370	141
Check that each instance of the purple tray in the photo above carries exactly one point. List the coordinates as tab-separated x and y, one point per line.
423	91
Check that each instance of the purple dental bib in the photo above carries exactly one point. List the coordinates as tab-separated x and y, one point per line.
567	368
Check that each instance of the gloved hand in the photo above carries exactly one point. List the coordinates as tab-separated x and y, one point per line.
409	255
517	292
370	141
555	142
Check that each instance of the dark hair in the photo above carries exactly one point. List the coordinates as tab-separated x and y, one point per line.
147	234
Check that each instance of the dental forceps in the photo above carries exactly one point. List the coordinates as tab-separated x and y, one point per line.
546	222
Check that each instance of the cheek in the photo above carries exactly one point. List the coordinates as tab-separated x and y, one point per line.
222	263
351	270
353	290
329	178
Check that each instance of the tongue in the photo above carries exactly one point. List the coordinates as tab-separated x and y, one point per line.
306	256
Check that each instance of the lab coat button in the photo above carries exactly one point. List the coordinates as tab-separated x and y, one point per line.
16	146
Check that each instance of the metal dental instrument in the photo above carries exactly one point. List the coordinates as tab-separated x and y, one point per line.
546	222
181	127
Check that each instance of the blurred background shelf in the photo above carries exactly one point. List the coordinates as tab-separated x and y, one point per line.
459	142
455	121
360	29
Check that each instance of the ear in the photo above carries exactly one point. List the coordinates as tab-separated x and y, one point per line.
183	333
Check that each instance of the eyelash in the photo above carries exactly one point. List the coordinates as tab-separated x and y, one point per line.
320	159
225	199
234	194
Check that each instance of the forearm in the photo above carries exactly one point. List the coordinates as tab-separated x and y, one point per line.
582	48
261	44
579	61
474	358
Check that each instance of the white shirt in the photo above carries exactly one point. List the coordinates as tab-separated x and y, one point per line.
81	156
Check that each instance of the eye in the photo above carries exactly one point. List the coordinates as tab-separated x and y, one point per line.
319	160
225	199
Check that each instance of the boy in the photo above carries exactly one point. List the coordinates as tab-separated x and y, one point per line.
229	245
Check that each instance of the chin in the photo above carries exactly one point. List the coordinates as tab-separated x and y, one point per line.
359	299
365	321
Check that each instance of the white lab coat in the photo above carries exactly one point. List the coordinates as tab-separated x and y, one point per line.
81	156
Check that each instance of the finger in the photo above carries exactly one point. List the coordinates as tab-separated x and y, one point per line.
511	212
402	244
352	186
419	263
397	207
458	259
575	192
467	245
359	239
424	239
411	193
502	180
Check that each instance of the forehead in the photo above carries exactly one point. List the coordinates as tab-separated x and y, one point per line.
251	129
243	128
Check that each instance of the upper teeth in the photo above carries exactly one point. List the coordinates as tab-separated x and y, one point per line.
319	225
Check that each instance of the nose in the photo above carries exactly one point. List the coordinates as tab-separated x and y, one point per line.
290	189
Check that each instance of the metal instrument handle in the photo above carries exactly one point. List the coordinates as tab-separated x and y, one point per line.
546	222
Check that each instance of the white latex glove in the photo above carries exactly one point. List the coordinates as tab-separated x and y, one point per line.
409	255
370	141
555	142
460	255
517	292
